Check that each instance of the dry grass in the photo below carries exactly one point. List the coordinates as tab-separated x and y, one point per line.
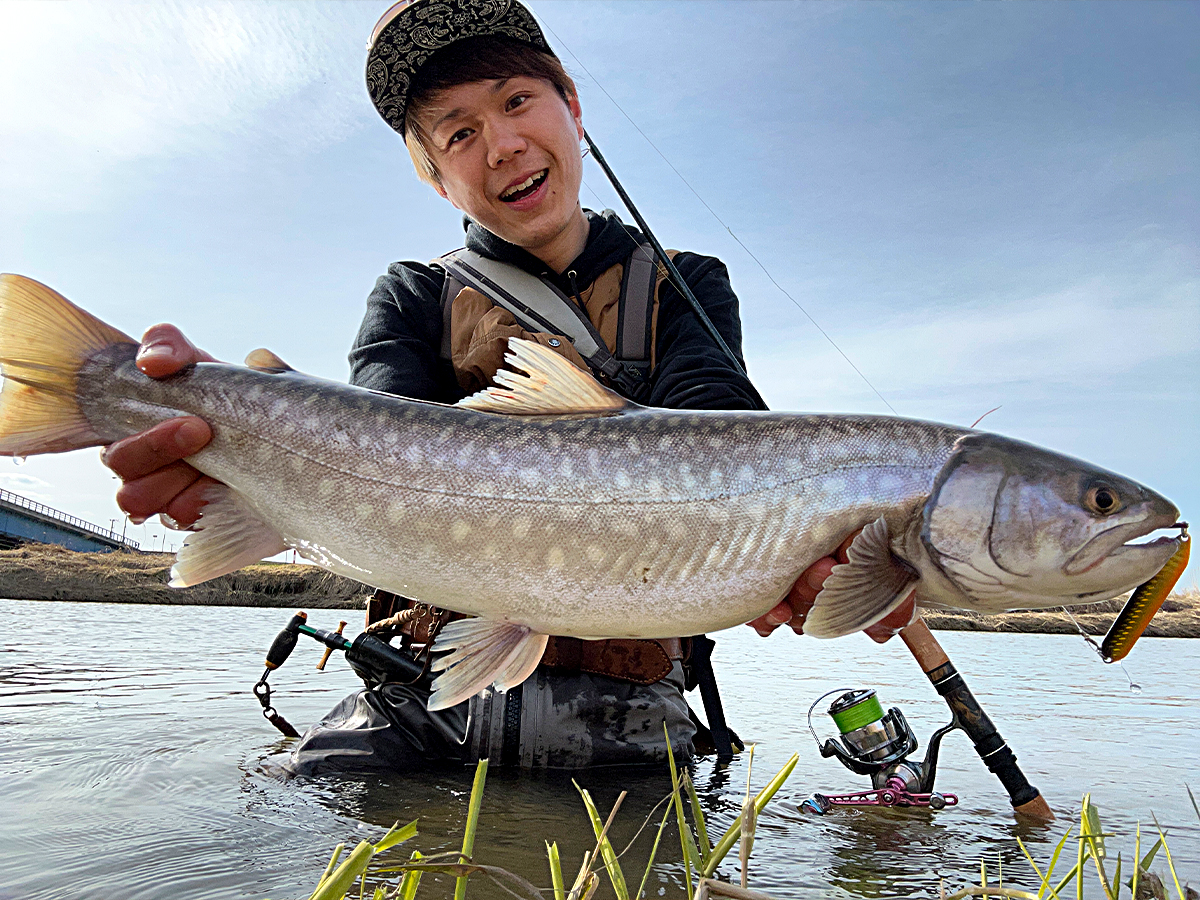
50	572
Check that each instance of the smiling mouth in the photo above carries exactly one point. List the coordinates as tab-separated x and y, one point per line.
525	188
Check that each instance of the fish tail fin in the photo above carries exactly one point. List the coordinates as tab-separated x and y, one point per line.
44	340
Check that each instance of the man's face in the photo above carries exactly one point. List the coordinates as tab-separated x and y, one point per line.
508	154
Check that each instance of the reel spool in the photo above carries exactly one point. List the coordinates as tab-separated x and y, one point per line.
878	744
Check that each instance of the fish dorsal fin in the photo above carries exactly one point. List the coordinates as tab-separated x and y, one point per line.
483	652
858	594
264	360
548	384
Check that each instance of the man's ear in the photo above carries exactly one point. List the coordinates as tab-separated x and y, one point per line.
437	186
576	113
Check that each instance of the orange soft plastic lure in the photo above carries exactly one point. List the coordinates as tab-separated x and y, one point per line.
1143	604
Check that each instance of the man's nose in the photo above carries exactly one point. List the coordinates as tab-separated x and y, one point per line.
504	142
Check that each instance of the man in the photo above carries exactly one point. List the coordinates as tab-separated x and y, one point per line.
493	123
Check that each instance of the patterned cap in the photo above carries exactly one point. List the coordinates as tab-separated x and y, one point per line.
413	30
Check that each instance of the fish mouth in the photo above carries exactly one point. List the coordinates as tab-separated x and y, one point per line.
1121	540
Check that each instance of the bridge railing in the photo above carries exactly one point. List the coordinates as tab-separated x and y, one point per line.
60	516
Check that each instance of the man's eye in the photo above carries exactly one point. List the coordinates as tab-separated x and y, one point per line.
517	100
461	135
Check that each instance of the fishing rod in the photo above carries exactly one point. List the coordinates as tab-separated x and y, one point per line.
968	716
672	273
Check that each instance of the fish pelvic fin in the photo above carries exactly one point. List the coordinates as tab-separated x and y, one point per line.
264	360
858	594
229	535
482	652
44	341
546	385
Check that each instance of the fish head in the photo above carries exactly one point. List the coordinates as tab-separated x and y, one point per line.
1014	526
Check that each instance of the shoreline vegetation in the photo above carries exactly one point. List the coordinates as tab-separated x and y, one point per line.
51	572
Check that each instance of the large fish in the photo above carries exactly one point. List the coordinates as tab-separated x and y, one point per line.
550	505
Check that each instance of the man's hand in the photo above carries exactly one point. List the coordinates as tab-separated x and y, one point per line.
793	609
156	480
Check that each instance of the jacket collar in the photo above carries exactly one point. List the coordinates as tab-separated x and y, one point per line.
609	242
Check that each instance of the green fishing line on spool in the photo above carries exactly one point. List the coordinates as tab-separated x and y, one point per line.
855	709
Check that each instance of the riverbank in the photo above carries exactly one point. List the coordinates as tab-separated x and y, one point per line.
50	572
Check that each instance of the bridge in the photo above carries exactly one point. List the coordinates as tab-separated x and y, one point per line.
22	520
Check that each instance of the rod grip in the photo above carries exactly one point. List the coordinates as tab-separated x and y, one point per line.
285	641
970	717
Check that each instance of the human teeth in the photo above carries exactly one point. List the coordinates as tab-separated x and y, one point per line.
527	183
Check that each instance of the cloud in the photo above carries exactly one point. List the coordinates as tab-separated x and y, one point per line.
1092	335
88	87
29	486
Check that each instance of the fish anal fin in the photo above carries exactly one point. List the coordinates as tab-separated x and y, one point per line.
546	385
858	594
228	536
482	652
264	360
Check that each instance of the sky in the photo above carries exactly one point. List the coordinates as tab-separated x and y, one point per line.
958	206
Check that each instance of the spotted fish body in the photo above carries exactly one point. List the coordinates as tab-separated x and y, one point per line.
628	525
584	515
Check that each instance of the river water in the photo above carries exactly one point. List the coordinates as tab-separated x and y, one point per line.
134	763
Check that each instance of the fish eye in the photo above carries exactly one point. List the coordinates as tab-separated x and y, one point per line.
1101	500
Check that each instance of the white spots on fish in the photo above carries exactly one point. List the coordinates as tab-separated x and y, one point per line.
716	478
326	488
653	488
746	475
633	445
521	526
459	531
686	478
555	557
553	441
595	554
484	488
397	513
529	477
622	480
566	467
365	511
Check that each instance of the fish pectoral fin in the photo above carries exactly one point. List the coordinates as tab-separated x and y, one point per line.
858	594
263	360
482	652
547	385
228	536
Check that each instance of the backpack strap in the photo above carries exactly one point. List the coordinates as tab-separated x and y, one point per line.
635	312
537	306
451	288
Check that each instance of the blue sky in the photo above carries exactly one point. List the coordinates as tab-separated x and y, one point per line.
982	204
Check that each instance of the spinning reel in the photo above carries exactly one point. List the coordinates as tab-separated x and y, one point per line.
878	744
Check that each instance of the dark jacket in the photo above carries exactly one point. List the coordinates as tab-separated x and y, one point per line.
397	347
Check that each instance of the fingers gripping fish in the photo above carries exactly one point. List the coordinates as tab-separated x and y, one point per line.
548	504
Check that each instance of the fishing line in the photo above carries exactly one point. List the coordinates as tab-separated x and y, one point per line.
721	221
1134	687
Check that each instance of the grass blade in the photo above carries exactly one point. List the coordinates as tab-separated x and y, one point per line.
337	884
653	852
407	889
698	818
684	830
556	879
337	853
1192	797
611	864
725	844
397	835
468	846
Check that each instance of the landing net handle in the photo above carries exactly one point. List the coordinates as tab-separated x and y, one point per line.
970	717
